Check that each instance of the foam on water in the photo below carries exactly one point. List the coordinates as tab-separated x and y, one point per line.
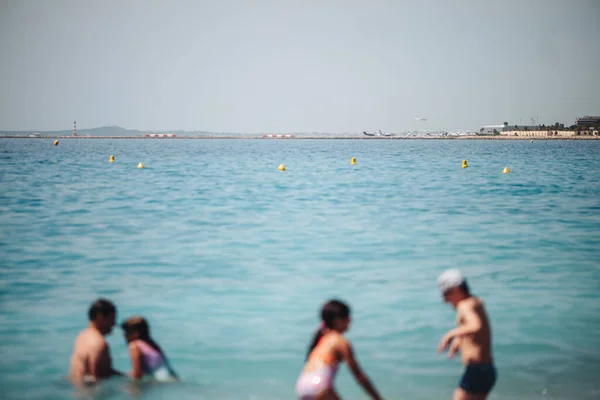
230	259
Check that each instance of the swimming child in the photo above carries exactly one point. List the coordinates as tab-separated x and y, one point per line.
147	358
327	350
473	338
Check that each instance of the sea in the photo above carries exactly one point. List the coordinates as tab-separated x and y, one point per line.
231	259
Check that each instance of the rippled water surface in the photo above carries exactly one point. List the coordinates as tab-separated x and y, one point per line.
230	260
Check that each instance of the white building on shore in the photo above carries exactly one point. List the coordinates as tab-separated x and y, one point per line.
505	127
492	129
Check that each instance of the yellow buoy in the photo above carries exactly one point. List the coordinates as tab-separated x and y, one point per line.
353	161
141	165
281	167
505	170
56	142
111	158
464	164
531	141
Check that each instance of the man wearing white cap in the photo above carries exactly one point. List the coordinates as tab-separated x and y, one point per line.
472	337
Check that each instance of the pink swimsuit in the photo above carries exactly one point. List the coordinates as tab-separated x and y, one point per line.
310	384
154	362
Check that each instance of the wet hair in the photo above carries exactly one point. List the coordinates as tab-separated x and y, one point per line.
331	311
140	326
103	307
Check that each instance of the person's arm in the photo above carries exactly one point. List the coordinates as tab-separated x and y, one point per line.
136	361
471	324
359	375
454	347
99	359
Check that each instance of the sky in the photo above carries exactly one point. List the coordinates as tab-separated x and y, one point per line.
335	66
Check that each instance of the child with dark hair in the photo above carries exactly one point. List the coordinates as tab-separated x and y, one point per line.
147	358
328	349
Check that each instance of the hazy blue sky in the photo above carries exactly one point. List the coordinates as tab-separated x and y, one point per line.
300	66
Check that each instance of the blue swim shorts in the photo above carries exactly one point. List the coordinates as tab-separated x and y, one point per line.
478	378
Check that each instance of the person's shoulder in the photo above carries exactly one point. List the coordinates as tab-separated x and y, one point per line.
81	335
89	341
133	345
342	341
95	339
470	304
478	302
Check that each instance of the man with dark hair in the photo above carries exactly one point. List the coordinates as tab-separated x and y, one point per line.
91	355
473	338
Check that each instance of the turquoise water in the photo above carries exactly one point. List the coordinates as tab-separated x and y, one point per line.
230	260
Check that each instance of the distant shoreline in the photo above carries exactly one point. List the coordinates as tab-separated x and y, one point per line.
320	137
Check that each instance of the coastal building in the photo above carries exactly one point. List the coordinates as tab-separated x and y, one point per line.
498	129
527	130
492	129
588	122
160	135
537	133
278	136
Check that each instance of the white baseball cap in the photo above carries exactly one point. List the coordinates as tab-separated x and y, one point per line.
449	279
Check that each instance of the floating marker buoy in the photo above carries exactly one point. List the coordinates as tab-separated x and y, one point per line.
141	165
281	167
111	158
464	164
353	161
505	170
531	141
56	142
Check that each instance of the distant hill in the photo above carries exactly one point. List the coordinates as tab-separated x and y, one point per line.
116	131
102	131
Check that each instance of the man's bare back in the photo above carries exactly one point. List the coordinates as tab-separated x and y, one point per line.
475	348
472	338
91	356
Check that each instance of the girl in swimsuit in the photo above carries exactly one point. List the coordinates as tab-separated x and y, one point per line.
147	358
327	350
